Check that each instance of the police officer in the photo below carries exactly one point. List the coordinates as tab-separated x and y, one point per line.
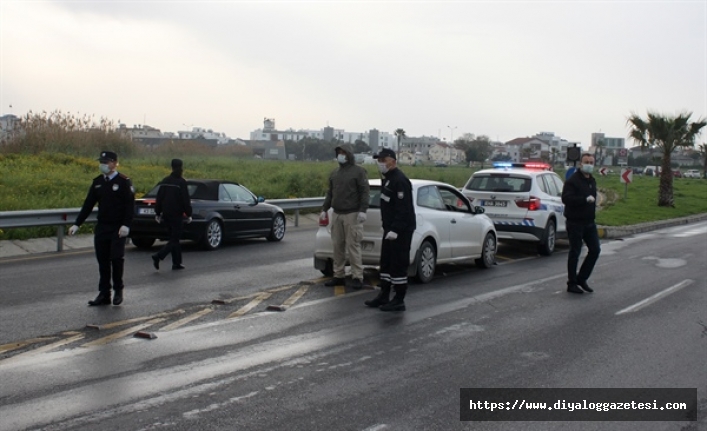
115	196
173	205
398	216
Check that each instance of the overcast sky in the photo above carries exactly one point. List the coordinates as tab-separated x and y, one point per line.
503	69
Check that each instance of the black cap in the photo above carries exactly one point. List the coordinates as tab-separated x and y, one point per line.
385	152
108	156
177	163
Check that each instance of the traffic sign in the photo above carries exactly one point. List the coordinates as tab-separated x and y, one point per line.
603	171
626	175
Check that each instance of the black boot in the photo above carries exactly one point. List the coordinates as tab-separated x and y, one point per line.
382	298
398	303
118	297
103	298
336	282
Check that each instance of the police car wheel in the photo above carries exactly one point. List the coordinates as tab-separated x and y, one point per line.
547	244
426	263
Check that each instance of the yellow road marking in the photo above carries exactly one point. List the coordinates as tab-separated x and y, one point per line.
295	296
281	288
138	319
123	333
183	321
498	256
339	290
20	344
43	349
249	306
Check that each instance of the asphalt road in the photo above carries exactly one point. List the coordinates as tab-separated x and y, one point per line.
329	363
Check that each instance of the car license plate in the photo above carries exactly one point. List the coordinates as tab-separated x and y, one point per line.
367	245
495	203
148	210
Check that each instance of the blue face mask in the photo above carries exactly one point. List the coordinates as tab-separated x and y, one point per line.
341	158
587	169
105	169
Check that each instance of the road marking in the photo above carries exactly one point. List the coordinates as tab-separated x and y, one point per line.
249	306
123	333
136	319
43	349
183	321
20	344
651	299
295	296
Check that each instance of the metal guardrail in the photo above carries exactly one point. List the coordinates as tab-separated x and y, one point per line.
66	216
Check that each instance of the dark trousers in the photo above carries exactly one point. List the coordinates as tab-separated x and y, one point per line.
110	252
578	233
394	262
173	246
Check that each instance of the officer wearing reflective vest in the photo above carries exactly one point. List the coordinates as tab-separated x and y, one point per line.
398	217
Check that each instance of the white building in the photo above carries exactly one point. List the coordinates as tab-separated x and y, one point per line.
198	132
374	138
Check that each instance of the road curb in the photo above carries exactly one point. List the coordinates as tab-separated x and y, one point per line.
613	232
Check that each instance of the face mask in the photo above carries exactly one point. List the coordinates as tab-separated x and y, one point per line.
341	158
382	168
587	169
105	169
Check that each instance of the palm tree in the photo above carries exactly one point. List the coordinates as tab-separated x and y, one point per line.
666	134
703	153
600	147
400	134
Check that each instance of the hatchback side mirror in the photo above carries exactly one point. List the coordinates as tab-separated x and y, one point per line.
479	210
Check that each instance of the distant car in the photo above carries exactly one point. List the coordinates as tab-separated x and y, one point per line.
222	210
440	165
449	230
692	173
524	200
677	173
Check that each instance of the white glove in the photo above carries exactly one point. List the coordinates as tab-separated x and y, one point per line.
323	215
391	235
73	229
158	219
188	220
590	199
361	217
123	231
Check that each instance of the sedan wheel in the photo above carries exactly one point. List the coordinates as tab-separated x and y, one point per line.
213	235
277	232
143	243
426	263
547	245
488	252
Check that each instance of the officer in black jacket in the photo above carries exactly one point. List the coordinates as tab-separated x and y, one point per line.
579	195
172	207
115	196
398	216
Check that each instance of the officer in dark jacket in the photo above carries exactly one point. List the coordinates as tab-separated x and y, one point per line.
579	196
172	207
115	196
398	217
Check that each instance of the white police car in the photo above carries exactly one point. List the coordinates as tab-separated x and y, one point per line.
524	200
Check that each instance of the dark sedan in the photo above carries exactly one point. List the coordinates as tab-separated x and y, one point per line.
222	210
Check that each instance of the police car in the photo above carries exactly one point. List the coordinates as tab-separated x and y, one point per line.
524	200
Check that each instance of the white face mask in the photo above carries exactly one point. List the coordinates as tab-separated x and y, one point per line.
382	168
341	158
105	169
587	169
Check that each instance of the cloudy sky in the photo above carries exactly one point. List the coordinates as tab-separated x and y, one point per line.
505	69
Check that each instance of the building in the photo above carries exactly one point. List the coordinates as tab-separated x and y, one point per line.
374	138
198	133
9	126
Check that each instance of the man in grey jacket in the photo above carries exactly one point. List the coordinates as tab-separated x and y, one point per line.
347	195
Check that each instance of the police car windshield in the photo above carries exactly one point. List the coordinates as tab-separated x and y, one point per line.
499	183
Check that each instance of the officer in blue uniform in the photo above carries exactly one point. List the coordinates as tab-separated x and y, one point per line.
173	207
398	217
115	196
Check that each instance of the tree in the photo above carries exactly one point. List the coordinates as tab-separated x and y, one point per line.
600	150
361	147
477	150
400	134
665	133
703	153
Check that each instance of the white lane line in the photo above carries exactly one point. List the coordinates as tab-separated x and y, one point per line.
651	299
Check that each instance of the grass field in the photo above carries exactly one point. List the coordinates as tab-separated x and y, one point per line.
56	180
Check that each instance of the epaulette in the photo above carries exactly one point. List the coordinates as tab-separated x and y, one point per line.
123	176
